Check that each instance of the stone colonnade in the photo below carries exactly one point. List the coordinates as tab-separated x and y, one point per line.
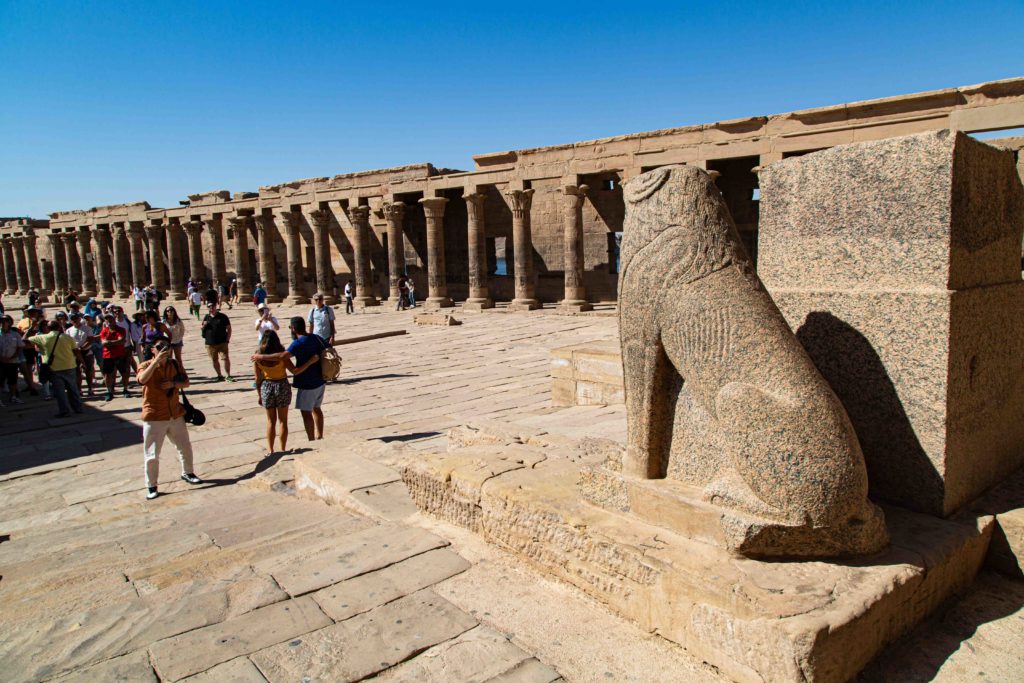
107	259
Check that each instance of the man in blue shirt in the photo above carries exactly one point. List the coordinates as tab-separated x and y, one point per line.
259	295
309	384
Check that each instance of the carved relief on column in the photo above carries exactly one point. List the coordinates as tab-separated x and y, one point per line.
155	235
240	229
575	298
196	269
322	253
265	251
291	222
359	216
479	294
138	254
394	215
175	262
10	269
60	267
85	256
70	241
32	257
216	232
437	277
519	202
20	265
101	257
122	261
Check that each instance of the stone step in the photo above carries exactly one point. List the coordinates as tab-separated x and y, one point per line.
355	483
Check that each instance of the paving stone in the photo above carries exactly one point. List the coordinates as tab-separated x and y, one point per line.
528	671
202	649
366	644
130	668
479	654
238	670
357	554
363	593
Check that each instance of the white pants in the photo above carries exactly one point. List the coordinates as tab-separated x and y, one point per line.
153	434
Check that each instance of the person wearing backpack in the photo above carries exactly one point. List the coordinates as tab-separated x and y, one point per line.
309	384
60	358
321	319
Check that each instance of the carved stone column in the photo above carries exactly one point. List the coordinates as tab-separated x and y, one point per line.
519	201
155	234
359	216
216	232
60	267
575	299
70	241
240	228
101	255
138	253
196	269
394	214
122	262
175	262
322	253
32	257
268	265
291	222
46	268
437	278
479	295
85	257
20	265
10	269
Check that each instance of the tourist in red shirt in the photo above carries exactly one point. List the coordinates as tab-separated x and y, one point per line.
115	355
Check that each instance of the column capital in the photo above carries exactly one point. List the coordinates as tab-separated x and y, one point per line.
358	214
16	239
210	221
321	217
262	223
174	228
519	201
102	229
193	228
136	232
291	220
83	234
576	190
69	238
118	229
153	231
54	238
239	222
475	204
433	207
393	211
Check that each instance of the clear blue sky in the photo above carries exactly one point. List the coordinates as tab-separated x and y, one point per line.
105	102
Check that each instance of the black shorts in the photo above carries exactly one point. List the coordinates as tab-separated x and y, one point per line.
30	356
9	374
112	365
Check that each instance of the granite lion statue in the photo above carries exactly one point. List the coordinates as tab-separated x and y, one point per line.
692	308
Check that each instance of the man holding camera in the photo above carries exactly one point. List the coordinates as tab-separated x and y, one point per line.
162	413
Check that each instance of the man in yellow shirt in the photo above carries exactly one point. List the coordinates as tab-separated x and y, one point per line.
60	352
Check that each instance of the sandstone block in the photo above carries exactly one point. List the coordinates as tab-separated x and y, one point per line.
442	319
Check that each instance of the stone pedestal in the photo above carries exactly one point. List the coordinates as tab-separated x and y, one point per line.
359	216
897	262
575	300
322	253
155	235
240	229
175	262
122	262
519	202
138	255
437	277
394	215
587	374
268	264
479	294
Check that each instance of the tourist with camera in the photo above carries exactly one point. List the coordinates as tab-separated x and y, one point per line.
163	415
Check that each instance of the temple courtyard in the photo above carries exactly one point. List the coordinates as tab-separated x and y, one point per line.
315	565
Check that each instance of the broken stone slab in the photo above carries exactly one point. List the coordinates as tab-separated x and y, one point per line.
442	319
237	670
202	649
528	671
754	620
356	554
480	654
359	647
133	667
587	374
362	593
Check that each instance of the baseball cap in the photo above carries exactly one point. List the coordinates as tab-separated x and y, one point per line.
261	307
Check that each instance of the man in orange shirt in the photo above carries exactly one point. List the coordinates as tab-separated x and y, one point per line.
163	414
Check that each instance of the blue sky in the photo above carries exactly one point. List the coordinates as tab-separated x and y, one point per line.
105	102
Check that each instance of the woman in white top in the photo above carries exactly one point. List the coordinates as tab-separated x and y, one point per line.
176	330
265	322
140	297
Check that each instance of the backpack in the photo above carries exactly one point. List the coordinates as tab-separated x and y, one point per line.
330	363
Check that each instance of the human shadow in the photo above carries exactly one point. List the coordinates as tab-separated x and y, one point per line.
263	465
367	378
899	470
413	436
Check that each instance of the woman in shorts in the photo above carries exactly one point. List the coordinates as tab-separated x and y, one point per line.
275	394
175	331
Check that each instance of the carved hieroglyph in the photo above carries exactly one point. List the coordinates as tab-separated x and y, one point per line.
791	480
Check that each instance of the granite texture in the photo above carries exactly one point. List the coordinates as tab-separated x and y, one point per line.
787	469
898	264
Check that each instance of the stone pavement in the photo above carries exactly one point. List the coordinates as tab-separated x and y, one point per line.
242	579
